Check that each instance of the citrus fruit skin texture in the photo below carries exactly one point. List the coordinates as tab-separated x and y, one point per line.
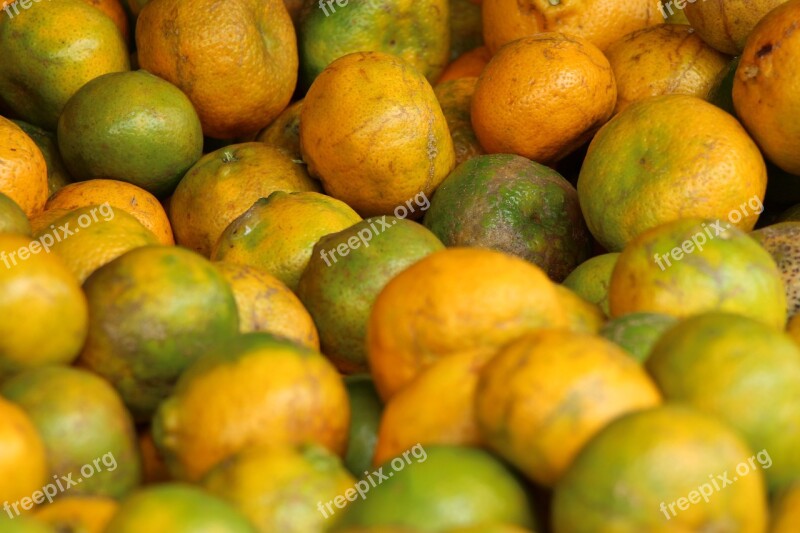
51	51
455	97
513	205
470	64
598	21
374	134
45	316
278	233
264	482
178	508
266	304
590	279
741	371
339	291
665	158
254	390
731	273
57	174
284	132
23	170
23	461
59	399
86	514
534	405
224	184
542	97
765	89
150	319
780	240
664	59
12	217
198	56
417	31
462	486
726	24
133	127
637	333
119	195
475	300
677	449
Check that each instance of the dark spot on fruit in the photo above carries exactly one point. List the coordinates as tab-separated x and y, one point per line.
764	50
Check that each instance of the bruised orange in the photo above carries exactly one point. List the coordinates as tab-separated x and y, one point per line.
237	85
726	24
542	97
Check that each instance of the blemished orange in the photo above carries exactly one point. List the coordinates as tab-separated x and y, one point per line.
224	184
726	24
544	396
663	59
23	171
284	132
409	418
374	134
467	65
766	87
458	300
542	97
237	85
665	158
455	97
266	304
120	195
600	21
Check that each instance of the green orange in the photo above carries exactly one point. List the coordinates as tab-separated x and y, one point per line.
637	333
591	279
12	217
57	174
365	411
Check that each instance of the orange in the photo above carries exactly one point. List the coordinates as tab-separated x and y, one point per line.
57	174
237	88
416	31
253	390
50	51
23	463
742	372
584	316
224	184
543	96
468	65
455	97
150	318
90	237
282	487
374	134
177	508
23	171
278	233
459	300
119	195
130	126
726	24
284	132
44	311
409	418
691	266
12	217
544	396
266	304
766	85
599	21
80	514
114	10
781	241
663	59
590	279
665	158
645	471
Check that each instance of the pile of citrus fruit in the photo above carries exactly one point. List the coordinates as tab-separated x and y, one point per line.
399	266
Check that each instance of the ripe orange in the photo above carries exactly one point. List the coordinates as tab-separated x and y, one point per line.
664	59
23	171
468	65
766	88
669	157
23	462
543	96
726	24
374	134
455	97
284	132
599	21
119	195
544	396
238	85
459	300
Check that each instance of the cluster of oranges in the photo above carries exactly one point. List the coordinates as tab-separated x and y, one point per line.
542	254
